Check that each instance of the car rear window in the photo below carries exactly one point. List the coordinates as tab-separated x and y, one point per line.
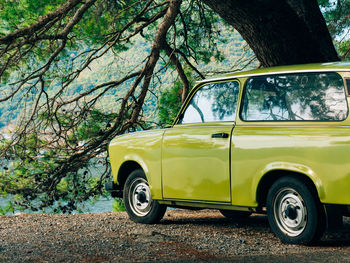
295	97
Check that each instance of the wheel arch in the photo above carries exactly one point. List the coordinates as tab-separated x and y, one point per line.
125	169
272	176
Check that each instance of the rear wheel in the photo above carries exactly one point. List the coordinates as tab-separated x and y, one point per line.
235	214
294	212
138	201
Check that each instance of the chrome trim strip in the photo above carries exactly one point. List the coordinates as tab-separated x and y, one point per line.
193	125
292	125
278	124
206	204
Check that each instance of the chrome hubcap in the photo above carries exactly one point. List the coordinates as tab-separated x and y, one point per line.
290	212
140	199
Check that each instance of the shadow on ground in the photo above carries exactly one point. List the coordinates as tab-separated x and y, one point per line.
257	222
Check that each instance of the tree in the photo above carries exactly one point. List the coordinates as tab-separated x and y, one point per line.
280	32
60	135
337	16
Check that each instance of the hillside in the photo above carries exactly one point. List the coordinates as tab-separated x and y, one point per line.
234	52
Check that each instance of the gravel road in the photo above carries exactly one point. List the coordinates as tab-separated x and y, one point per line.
182	236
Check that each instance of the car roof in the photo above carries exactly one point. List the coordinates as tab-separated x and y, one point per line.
317	67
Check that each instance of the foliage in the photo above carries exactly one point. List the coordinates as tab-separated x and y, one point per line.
169	104
20	13
52	67
8	208
84	72
118	205
344	49
336	14
33	156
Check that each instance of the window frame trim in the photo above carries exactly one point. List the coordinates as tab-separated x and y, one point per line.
194	92
347	87
293	121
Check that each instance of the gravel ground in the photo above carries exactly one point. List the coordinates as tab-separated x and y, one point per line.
182	236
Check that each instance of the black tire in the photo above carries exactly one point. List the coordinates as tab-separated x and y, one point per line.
232	214
294	211
138	201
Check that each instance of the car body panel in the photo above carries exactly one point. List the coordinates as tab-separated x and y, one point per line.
319	152
143	148
190	158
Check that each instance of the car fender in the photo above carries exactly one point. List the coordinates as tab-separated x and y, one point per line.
295	168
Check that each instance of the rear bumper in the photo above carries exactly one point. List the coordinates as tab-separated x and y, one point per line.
114	189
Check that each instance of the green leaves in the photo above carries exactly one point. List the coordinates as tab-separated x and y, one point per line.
169	104
118	205
9	208
336	14
20	13
40	165
343	48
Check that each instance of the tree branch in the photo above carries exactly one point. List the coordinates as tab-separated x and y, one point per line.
171	54
42	22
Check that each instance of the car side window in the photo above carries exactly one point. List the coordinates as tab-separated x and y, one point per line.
295	97
213	103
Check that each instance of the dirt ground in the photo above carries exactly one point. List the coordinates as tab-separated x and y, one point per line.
182	236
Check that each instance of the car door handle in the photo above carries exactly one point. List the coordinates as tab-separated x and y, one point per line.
220	135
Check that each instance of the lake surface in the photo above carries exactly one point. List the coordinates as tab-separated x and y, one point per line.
103	204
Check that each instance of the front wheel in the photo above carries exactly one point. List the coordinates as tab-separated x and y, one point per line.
138	201
294	212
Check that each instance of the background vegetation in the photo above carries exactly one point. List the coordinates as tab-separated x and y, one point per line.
75	74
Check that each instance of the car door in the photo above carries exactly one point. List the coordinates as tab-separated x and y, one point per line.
196	151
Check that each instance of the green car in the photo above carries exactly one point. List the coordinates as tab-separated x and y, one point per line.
273	140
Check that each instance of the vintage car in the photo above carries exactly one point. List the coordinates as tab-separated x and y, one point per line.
273	140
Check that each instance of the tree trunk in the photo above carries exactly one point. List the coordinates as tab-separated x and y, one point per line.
280	32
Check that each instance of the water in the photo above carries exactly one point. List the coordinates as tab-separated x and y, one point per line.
101	205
